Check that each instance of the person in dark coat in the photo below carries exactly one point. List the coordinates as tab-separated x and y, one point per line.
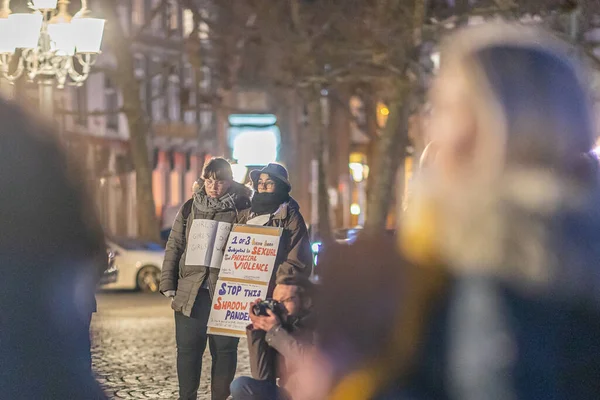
191	287
278	343
272	205
52	255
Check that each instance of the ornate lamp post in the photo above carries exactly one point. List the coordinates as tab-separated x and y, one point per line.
49	45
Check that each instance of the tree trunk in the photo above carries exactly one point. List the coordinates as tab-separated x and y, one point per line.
370	106
148	225
390	155
394	138
317	126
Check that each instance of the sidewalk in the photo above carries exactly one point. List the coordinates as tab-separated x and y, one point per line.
134	349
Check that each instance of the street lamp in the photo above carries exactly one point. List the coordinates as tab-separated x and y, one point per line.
383	113
53	47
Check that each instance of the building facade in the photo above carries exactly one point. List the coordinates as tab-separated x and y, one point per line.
173	93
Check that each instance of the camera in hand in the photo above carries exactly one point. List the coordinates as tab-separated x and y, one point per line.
261	308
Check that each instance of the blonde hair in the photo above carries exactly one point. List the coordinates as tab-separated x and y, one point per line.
530	97
533	120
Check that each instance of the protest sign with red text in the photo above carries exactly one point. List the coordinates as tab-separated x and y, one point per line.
245	274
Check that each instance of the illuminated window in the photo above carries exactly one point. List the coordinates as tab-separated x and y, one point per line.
138	8
203	28
188	22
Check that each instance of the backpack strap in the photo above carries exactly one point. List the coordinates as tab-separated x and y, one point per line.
185	212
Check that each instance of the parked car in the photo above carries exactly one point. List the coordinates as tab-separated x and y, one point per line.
139	263
111	274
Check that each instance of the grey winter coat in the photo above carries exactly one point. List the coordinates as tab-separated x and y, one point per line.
186	280
294	256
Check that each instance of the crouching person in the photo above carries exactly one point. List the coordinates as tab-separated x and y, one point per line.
277	341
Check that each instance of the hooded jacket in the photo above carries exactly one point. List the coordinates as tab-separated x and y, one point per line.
294	256
186	280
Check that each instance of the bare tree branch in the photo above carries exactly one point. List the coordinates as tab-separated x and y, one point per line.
156	11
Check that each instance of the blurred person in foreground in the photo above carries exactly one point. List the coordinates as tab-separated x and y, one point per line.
277	342
356	308
505	233
191	287
52	255
273	206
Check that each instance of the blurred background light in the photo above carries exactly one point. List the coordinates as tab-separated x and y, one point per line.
255	147
239	172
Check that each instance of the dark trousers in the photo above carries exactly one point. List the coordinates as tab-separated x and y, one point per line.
88	342
191	338
246	388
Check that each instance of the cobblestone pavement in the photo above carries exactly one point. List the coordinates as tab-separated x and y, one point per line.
133	348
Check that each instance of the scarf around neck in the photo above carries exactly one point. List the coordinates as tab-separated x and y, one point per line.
205	203
268	203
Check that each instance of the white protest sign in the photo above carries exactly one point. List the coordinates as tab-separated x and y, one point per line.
245	274
205	242
221	236
231	308
251	256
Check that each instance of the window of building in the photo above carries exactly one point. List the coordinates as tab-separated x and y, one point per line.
158	18
174	99
203	28
188	75
158	98
205	78
188	22
188	95
139	65
189	113
143	97
112	104
138	10
173	11
123	13
140	70
80	104
206	117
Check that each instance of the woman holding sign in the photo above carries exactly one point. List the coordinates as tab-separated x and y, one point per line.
190	272
272	205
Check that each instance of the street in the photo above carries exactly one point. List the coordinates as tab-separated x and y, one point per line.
133	348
